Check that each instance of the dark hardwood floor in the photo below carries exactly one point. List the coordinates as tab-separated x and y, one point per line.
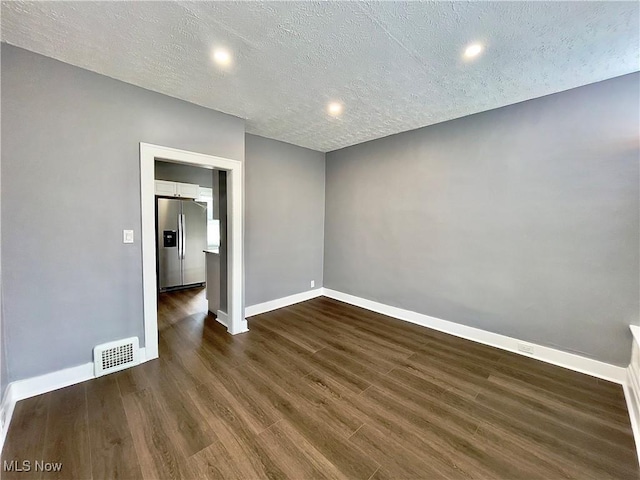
325	390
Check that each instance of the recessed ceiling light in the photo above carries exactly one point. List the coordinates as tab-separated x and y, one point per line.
222	56
473	50
335	108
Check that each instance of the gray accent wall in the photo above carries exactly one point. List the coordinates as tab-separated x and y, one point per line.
522	221
70	185
4	374
284	217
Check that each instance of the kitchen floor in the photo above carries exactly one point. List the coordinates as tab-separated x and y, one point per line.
175	306
323	389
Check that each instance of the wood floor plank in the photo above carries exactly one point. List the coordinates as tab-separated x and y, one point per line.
29	423
295	332
351	461
297	456
347	334
452	448
155	444
592	452
266	350
238	453
357	366
457	373
232	460
232	385
322	389
133	379
189	432
542	462
424	399
67	420
397	460
342	374
246	456
259	408
583	403
590	427
563	375
283	344
347	344
335	417
411	432
403	335
113	455
528	430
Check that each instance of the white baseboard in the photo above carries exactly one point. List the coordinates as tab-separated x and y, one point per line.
6	412
282	302
30	387
546	354
222	318
633	405
632	388
143	355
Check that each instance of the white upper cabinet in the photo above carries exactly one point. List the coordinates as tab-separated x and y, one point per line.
165	188
187	190
176	189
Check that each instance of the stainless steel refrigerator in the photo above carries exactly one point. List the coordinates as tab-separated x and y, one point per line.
181	238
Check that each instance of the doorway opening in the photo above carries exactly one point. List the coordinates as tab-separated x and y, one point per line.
190	217
164	272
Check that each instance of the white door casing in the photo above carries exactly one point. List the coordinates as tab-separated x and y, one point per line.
235	255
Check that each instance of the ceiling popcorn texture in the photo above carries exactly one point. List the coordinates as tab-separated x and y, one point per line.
395	66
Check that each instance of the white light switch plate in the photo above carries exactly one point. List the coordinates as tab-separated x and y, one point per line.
127	236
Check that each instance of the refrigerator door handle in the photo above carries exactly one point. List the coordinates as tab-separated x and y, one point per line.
183	224
179	236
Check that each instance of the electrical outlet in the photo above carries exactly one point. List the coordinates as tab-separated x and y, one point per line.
313	283
526	348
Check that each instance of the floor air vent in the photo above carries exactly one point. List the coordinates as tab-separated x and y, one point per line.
113	356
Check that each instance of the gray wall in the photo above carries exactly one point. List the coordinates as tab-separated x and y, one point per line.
215	187
174	172
70	185
521	221
4	374
284	218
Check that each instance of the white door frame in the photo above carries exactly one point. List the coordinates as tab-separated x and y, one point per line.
235	253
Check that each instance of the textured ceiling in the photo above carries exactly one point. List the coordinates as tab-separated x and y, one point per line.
395	65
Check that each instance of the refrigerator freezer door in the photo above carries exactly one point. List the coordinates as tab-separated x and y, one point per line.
169	263
194	241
